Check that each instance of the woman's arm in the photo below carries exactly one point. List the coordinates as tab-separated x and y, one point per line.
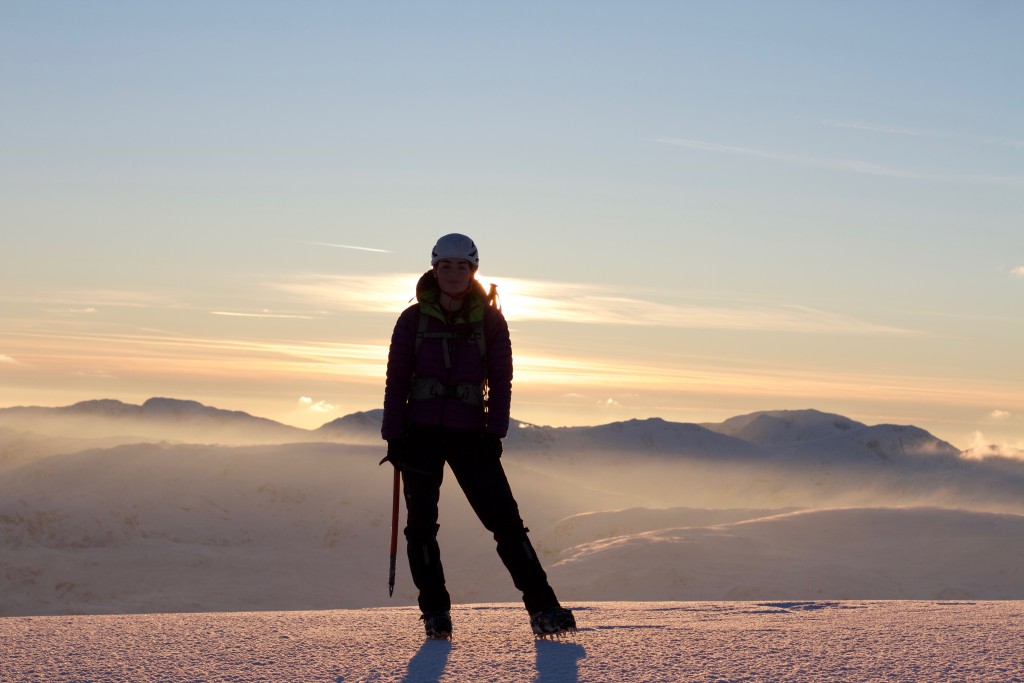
401	360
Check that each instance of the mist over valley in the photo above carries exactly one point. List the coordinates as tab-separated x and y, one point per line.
173	506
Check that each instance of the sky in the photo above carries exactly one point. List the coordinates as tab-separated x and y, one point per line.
692	210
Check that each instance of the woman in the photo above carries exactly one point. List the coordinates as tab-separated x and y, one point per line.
449	387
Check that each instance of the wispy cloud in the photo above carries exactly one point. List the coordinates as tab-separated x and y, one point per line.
88	300
349	246
585	304
1018	271
892	130
384	293
7	360
263	314
94	374
999	414
925	133
91	301
849	165
165	356
595	304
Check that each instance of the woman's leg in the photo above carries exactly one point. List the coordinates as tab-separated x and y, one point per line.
483	480
422	473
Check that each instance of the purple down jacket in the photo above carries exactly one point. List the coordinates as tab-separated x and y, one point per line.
448	401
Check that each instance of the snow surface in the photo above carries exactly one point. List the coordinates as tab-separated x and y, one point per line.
931	641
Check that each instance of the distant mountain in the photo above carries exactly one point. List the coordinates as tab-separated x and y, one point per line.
650	437
162	419
811	434
779	435
362	427
879	442
784	427
783	434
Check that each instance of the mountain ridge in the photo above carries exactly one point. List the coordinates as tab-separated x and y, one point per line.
791	434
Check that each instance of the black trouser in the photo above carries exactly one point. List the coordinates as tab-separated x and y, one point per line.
483	480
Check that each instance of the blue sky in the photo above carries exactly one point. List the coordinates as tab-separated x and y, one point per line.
729	206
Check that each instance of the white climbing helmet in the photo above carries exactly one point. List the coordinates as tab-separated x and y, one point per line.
455	246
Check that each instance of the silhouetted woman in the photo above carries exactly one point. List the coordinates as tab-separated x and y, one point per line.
447	398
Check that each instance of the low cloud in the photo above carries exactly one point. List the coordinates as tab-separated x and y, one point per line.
999	414
982	448
316	406
1018	272
7	360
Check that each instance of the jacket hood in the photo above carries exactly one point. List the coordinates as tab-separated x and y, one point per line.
428	294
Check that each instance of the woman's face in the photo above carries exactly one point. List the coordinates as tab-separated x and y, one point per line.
453	275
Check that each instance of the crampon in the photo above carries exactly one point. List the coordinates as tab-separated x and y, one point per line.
553	623
438	626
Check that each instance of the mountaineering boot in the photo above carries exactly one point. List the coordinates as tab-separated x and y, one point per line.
553	622
438	625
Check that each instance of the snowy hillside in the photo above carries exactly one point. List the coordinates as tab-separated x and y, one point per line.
834	554
636	510
152	528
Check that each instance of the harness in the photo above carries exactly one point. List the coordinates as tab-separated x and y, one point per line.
423	388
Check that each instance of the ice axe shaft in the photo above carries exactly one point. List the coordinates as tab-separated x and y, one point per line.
394	532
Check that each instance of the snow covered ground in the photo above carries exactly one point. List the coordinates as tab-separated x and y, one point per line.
720	642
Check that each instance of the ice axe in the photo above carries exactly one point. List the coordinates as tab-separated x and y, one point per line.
394	533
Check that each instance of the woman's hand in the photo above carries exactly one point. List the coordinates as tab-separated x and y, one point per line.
397	449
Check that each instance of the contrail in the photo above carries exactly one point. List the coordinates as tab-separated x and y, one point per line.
349	246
